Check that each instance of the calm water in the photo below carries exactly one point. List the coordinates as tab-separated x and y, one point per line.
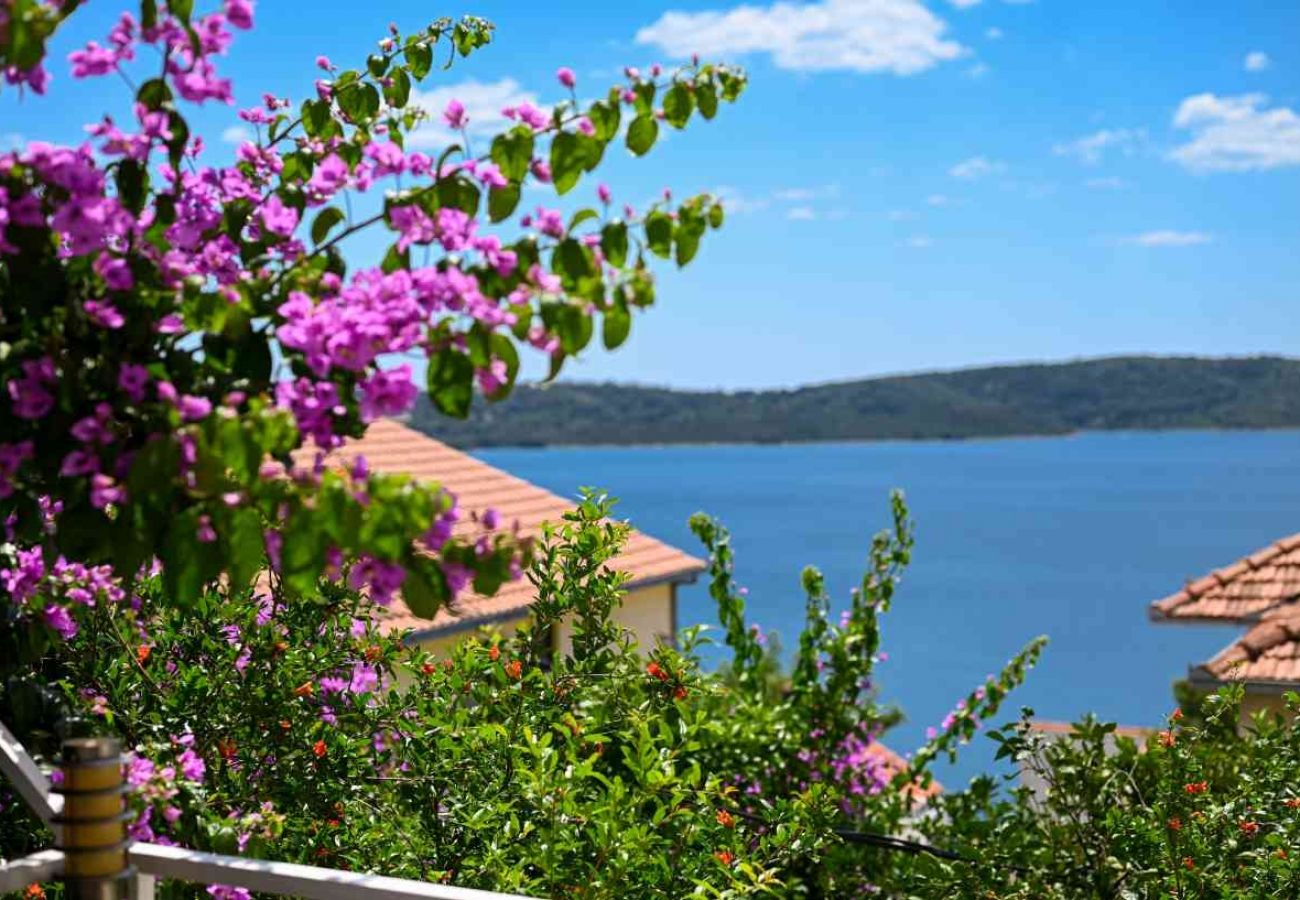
1069	537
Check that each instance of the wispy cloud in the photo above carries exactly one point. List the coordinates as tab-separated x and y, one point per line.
976	167
483	102
902	37
801	214
737	203
807	193
918	242
237	134
964	4
938	200
901	215
1091	148
1169	238
1236	134
1256	61
1107	183
993	33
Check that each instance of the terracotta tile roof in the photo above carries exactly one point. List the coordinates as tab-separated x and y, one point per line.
394	448
1268	654
891	764
1242	592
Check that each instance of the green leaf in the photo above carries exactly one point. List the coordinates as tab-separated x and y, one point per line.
716	215
245	542
513	152
613	243
688	244
645	98
573	261
153	94
569	156
315	117
425	588
132	184
325	220
377	64
502	202
504	349
181	9
706	98
605	117
574	328
419	57
641	134
359	102
451	382
616	326
398	90
679	103
582	215
659	233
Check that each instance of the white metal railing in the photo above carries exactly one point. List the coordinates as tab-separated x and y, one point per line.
154	861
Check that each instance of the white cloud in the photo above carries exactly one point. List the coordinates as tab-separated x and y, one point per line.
1257	61
979	70
237	134
918	242
964	4
801	214
898	36
1236	134
1109	183
1091	148
483	102
993	33
736	203
900	215
976	167
938	200
1169	238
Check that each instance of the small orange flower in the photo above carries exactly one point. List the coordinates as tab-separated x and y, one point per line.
304	690
1293	802
1167	738
514	669
428	668
725	819
142	654
1175	824
1196	787
1189	863
319	749
495	653
281	646
1176	715
654	670
726	857
285	724
226	747
34	892
1248	829
448	665
1280	853
373	653
679	693
332	823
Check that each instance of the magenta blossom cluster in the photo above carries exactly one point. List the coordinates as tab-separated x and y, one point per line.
57	592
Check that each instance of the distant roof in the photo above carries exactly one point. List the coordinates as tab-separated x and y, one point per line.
1242	592
394	449
1268	655
891	764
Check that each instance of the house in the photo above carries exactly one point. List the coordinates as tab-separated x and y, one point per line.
1031	766
1265	661
649	610
1261	591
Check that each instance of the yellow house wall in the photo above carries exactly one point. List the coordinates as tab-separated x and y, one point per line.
1254	703
647	612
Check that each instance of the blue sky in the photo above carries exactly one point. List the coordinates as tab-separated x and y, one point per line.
914	185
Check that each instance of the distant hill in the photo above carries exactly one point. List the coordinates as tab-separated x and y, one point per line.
1134	392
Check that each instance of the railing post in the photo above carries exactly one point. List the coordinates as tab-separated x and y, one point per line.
93	820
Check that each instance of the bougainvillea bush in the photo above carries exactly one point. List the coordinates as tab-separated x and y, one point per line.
171	330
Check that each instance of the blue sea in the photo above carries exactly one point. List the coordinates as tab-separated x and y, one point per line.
1070	537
